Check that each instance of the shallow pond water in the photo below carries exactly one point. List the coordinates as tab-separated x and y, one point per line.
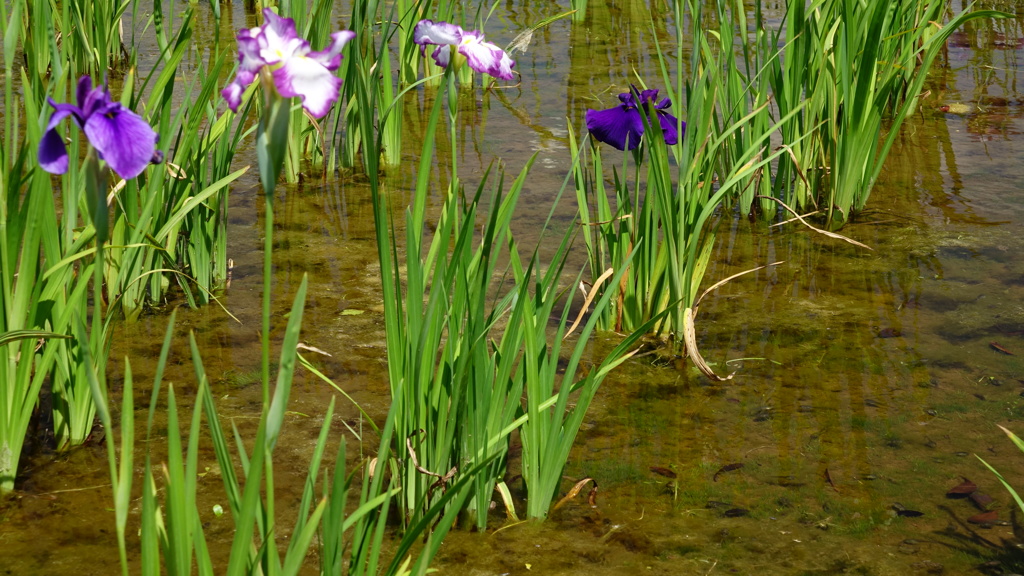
865	381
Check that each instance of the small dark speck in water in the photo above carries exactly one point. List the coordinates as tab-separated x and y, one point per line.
909	513
889	333
961	453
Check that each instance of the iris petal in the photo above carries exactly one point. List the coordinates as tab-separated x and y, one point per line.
442	55
619	126
123	139
668	127
438	33
330	57
84	87
276	32
485	57
309	80
249	64
233	94
53	155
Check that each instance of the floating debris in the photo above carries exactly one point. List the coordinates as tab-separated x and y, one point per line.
963	489
984	502
660	471
575	490
902	510
889	333
828	478
985	518
727	468
995	346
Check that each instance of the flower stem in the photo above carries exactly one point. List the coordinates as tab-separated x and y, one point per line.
271	142
268	247
95	189
453	114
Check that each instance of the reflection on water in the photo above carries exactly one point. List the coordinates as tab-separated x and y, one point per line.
865	381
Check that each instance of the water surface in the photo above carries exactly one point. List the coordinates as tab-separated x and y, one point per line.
865	381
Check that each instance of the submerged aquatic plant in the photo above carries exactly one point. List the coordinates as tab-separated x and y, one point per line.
622	126
286	63
121	137
481	56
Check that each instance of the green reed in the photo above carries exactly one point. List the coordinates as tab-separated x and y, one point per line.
579	8
437	336
882	57
666	214
462	350
306	139
557	400
1009	487
92	32
856	70
376	26
31	325
172	536
171	226
170	221
27	349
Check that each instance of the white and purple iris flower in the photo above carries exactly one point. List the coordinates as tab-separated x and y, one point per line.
293	68
481	56
121	137
622	126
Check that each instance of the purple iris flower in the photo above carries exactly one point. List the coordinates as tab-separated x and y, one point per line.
121	137
482	56
622	125
295	69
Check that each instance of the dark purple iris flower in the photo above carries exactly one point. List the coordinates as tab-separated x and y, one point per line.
622	126
121	137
